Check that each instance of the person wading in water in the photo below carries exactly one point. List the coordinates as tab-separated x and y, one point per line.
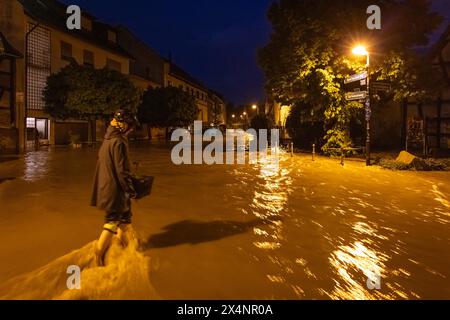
113	187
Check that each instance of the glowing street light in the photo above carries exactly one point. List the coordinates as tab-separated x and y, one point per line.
361	50
254	107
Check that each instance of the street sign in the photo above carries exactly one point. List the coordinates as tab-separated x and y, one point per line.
356	77
358	95
380	86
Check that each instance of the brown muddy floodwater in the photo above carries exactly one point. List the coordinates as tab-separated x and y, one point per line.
307	230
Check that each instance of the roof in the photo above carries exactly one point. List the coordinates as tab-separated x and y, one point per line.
178	72
121	27
6	49
53	13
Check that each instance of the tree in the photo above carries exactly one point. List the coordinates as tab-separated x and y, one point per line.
305	127
261	121
85	93
167	107
216	110
309	56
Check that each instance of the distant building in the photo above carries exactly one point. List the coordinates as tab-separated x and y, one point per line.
206	99
147	66
149	70
38	29
35	43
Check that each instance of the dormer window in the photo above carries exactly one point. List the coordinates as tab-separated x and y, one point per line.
112	36
86	24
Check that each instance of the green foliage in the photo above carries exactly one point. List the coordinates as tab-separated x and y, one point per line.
167	107
80	92
309	55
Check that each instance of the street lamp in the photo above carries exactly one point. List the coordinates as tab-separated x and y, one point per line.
255	108
362	51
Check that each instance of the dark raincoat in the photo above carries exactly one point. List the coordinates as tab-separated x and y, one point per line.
113	186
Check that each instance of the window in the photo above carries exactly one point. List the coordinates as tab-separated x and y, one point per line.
66	51
31	123
148	72
112	36
180	87
88	58
170	83
113	65
198	95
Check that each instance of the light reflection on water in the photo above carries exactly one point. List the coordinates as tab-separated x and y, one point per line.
36	166
326	229
269	200
367	252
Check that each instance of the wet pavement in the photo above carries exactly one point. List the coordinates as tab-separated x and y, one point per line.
305	230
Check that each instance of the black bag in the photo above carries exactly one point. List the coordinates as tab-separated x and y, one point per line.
143	186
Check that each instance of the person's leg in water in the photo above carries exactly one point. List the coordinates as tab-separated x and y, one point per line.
124	230
103	244
110	229
122	234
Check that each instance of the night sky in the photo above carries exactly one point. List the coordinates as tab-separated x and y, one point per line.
214	40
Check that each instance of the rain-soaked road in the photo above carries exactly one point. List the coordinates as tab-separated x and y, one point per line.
307	230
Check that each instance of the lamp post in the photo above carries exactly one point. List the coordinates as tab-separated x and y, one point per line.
362	51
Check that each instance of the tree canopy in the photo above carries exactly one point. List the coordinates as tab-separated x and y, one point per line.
309	55
85	93
167	107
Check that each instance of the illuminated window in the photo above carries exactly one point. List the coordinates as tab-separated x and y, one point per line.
31	123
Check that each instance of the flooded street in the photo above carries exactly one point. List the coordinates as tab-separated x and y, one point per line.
305	230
